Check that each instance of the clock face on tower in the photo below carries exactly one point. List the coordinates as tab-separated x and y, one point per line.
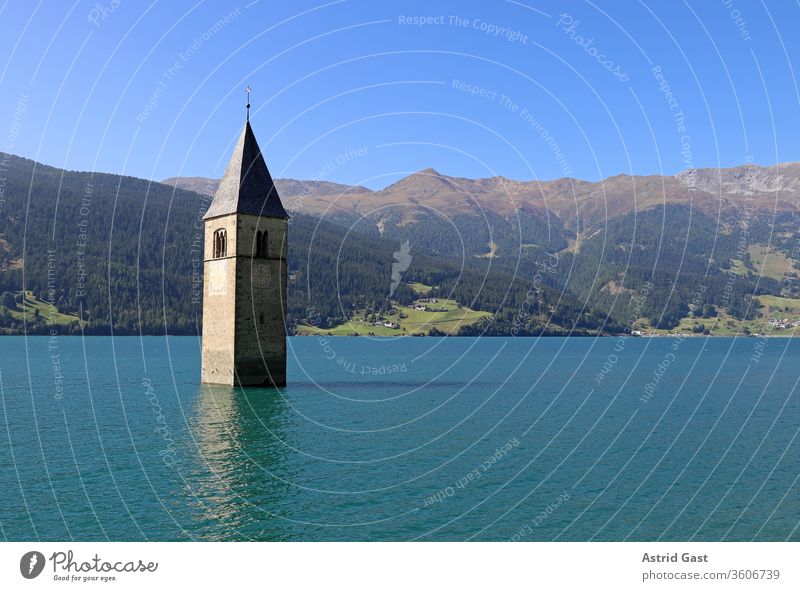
260	275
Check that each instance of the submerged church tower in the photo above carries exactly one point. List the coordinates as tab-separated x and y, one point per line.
244	282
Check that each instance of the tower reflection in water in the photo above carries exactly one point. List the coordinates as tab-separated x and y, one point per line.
240	485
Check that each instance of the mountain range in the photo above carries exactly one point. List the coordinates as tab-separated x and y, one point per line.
579	205
107	252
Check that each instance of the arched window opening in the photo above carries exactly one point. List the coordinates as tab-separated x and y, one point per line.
220	243
261	244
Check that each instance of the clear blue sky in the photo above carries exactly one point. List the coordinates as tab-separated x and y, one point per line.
360	92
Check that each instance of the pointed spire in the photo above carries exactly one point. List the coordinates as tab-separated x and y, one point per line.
247	186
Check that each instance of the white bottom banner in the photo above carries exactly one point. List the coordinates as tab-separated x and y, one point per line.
389	566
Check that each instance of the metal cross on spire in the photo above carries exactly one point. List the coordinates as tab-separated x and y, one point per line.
248	90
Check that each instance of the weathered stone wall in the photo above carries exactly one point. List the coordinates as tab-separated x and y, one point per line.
219	305
261	302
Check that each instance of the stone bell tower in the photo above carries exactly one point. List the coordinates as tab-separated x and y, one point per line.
244	282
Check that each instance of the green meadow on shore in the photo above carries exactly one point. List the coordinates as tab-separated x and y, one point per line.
440	316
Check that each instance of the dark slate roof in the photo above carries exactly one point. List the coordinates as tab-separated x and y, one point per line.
247	186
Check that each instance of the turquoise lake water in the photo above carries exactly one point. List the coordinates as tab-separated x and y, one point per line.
403	439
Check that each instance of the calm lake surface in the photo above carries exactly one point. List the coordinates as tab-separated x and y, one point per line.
402	439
